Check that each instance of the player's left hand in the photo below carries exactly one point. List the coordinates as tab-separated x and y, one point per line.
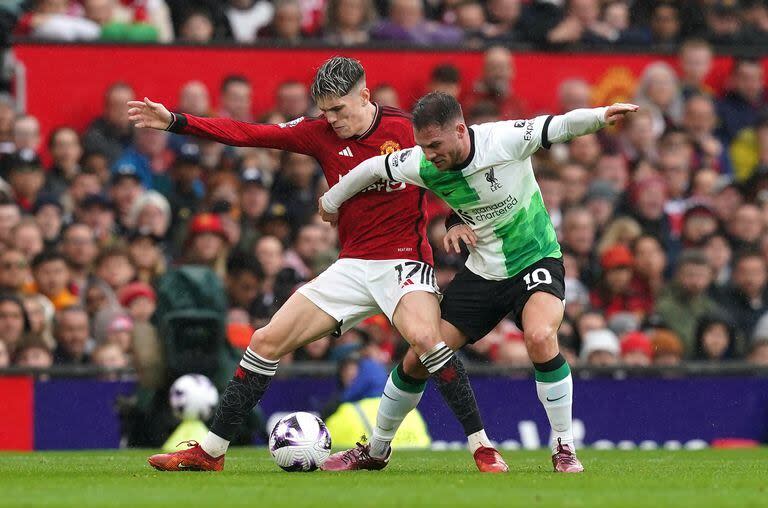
332	218
457	234
618	110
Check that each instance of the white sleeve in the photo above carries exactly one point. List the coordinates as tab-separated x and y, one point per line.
363	175
521	138
405	165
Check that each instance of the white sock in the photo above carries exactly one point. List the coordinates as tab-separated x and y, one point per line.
214	446
557	399
394	406
478	440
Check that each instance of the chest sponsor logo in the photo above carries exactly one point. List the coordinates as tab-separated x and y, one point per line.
292	123
491	179
389	146
489	212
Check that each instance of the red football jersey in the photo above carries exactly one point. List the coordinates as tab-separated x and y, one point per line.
385	221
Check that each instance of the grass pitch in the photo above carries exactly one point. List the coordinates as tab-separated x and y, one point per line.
622	479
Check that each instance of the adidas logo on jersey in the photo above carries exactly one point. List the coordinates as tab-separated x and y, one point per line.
346	152
408	282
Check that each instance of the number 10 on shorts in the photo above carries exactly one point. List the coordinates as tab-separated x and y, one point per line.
536	277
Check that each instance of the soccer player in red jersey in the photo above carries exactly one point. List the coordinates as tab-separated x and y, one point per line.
385	264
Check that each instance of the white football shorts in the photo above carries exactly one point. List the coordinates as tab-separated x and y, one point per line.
351	290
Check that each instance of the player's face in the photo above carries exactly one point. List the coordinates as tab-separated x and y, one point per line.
443	146
347	114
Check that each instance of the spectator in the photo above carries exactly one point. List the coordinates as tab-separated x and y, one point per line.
716	339
600	200
119	331
28	237
146	255
723	23
10	215
51	278
758	353
445	78
581	23
66	150
26	176
97	297
292	99
34	353
71	334
406	22
740	105
247	17
5	357
118	22
747	297
112	132
243	280
113	266
306	249
98	213
385	95
14	272
552	193
495	85
196	28
683	302
665	23
573	94
13	322
195	99
26	133
140	300
286	25
649	268
755	19
600	348
149	158
621	231
470	17
719	253
636	350
699	223
614	293
659	92
295	187
699	122
505	19
746	227
348	22
579	237
78	245
150	213
40	312
57	20
668	350
206	242
235	98
109	356
695	61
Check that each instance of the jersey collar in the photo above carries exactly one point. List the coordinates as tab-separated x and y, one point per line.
471	155
374	124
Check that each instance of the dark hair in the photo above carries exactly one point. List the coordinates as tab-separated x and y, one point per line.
47	256
446	73
7	297
436	108
231	79
747	253
707	322
238	263
337	77
692	257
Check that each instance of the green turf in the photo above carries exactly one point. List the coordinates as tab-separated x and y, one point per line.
618	479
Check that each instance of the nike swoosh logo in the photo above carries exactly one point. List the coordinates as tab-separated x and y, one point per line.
553	400
181	465
448	193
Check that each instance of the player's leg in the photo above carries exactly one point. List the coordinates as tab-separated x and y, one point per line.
540	318
298	322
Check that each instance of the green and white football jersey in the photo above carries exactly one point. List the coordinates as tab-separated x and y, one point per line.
495	193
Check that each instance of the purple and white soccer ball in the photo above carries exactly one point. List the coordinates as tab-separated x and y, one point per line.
193	397
300	442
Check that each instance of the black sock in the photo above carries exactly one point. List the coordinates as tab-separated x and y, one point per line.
453	382
243	392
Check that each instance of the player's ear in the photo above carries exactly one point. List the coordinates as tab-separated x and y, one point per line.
365	95
461	129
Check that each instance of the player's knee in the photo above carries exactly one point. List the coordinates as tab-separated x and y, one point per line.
423	341
540	336
265	344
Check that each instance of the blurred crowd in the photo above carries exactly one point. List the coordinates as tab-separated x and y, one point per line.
662	221
418	22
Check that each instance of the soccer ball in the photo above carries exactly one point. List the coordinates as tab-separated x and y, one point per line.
193	397
300	442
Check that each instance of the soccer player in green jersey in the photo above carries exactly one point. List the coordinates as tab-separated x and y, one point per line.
515	266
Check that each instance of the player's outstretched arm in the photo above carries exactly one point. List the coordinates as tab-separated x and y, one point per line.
295	136
586	121
363	175
149	115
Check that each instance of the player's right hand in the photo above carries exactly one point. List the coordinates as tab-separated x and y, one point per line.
332	218
457	234
149	115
